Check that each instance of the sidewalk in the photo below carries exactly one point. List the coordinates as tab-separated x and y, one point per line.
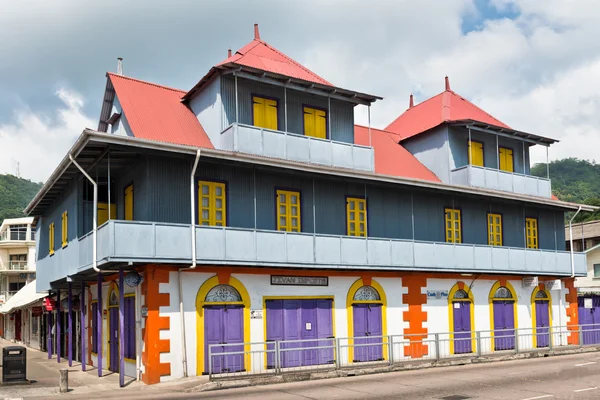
45	376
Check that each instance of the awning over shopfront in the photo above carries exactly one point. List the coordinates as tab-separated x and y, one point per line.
22	298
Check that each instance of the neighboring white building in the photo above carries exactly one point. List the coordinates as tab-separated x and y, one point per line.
17	268
591	283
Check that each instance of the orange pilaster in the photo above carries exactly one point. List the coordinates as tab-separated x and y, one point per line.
415	316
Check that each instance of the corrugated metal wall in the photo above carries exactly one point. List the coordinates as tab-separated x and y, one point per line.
342	113
161	194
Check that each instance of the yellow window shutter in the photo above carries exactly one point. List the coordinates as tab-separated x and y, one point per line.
309	121
271	114
321	124
476	153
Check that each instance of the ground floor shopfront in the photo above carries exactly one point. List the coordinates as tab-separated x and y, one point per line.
243	309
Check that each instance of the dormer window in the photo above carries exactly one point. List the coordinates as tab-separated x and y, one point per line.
505	156
315	122
264	112
476	153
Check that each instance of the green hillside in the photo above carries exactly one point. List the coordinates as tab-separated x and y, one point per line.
15	194
574	180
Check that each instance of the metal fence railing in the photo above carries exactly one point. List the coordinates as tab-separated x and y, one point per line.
234	360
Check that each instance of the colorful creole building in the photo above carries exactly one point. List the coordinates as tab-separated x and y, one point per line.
253	209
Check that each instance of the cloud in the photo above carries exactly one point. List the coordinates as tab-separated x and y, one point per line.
38	142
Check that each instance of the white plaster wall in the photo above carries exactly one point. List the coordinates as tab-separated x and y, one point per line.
258	286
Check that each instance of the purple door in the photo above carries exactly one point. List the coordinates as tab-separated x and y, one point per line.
542	323
113	339
302	325
224	324
462	327
504	325
368	344
589	319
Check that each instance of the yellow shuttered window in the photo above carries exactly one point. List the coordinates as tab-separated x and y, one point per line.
288	211
128	203
495	229
453	230
51	239
356	216
476	153
315	122
506	159
212	207
264	113
531	233
65	229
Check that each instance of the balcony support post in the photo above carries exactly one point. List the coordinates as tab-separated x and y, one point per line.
524	170
121	329
547	163
49	333
70	322
236	98
58	326
108	185
83	330
284	110
369	118
469	163
99	329
329	117
497	154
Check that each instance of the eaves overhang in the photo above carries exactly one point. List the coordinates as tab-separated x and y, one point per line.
494	129
65	171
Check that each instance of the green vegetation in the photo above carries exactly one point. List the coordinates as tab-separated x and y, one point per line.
576	181
15	194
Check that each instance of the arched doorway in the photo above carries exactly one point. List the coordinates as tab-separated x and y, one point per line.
541	315
366	319
502	312
461	318
113	329
223	314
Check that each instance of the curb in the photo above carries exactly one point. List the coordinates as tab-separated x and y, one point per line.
404	366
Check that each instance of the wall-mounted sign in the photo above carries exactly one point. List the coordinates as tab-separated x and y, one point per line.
529	281
256	314
144	311
299	280
437	294
49	304
588	303
553	285
36	311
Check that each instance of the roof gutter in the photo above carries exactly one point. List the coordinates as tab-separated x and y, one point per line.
95	214
571	243
191	267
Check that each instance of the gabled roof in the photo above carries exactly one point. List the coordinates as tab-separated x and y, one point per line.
261	60
447	106
155	112
390	157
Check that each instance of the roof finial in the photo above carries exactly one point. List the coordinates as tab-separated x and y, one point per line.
447	83
228	53
256	34
411	103
120	66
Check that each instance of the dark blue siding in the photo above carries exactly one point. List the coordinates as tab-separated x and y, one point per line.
342	113
67	202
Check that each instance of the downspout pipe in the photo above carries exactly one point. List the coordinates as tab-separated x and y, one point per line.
571	242
193	265
95	214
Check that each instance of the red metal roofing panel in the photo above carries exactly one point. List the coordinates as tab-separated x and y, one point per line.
260	55
390	157
444	107
156	112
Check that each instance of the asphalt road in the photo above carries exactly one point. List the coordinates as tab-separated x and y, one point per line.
564	377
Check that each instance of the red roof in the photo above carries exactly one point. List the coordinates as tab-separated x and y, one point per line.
445	107
260	55
156	113
390	157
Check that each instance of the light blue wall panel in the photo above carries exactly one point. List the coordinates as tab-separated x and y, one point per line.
431	149
342	113
207	107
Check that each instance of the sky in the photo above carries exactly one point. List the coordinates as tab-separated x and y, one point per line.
535	65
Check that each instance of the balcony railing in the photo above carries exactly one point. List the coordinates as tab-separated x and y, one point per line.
17	265
489	178
293	147
135	241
